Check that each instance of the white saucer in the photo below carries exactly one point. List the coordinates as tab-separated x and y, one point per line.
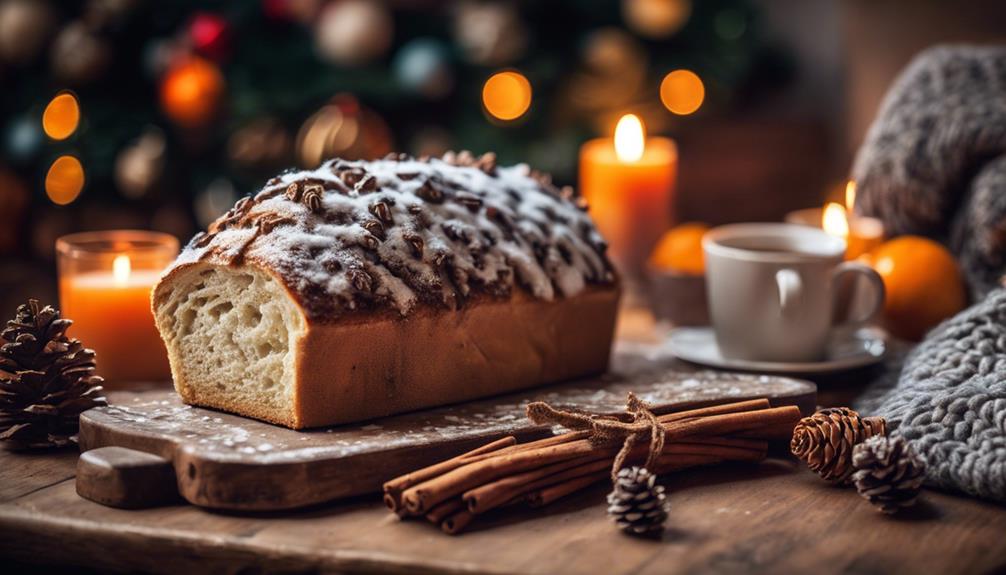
846	351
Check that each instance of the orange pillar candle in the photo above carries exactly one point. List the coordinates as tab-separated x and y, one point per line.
105	279
628	181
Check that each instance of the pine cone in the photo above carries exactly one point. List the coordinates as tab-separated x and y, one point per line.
637	504
888	472
46	379
825	440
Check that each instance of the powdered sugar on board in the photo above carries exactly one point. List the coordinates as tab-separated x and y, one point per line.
224	436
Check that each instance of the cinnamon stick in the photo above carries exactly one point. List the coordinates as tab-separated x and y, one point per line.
393	489
732	423
719	409
445	510
457	522
778	431
425	495
452	493
544	495
496	493
547	495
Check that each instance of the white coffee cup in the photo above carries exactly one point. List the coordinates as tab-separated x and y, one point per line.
772	290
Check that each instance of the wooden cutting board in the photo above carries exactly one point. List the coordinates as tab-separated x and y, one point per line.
147	448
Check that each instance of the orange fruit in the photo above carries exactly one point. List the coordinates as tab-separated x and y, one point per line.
923	283
680	250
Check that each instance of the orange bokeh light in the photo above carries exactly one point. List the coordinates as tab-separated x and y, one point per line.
191	91
682	92
506	95
61	116
64	180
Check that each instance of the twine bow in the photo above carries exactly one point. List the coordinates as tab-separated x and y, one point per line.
606	429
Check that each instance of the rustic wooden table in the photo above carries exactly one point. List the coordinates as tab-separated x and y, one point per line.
774	517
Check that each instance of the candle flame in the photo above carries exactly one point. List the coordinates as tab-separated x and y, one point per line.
121	268
835	221
850	196
630	138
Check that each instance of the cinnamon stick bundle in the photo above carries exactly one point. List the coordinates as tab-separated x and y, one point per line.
453	493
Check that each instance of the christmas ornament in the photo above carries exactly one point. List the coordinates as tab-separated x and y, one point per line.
888	472
191	91
422	66
263	144
14	197
656	18
46	379
78	55
23	139
353	32
489	33
210	35
637	504
612	75
825	440
922	283
25	27
140	165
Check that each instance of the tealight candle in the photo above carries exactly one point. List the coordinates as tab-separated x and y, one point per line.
861	234
628	181
105	280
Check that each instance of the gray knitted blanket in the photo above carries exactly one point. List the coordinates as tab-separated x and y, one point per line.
949	400
934	163
934	160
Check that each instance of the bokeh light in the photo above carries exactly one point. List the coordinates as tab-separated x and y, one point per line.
506	95
61	116
682	92
64	180
656	18
191	91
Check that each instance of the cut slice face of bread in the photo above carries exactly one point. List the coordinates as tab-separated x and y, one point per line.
232	335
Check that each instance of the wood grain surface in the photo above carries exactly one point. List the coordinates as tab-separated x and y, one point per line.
225	461
774	517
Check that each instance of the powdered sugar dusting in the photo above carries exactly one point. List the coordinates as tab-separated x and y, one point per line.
402	231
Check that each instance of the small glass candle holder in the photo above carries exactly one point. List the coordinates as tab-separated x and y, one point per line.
105	280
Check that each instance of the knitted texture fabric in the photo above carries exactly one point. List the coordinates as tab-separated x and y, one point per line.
934	160
949	401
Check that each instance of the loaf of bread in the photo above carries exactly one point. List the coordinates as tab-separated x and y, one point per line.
367	288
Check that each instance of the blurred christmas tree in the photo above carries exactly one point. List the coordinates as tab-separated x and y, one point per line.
133	113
